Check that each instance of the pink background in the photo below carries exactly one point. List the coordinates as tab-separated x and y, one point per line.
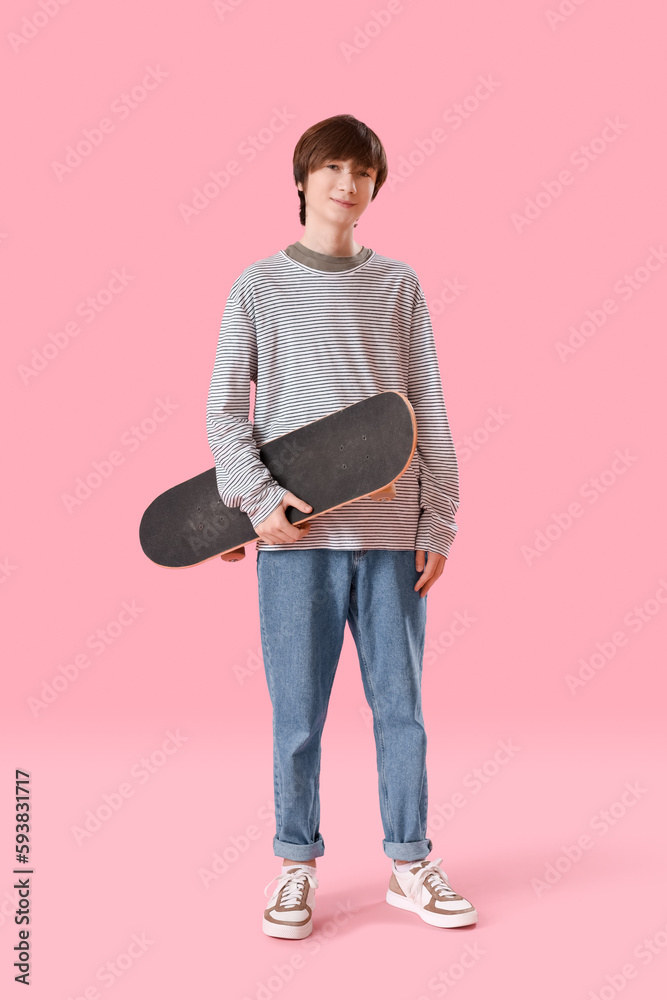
189	661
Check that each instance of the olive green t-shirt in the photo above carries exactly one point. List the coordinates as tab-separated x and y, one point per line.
325	261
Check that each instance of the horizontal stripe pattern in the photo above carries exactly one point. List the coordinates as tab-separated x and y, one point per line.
314	341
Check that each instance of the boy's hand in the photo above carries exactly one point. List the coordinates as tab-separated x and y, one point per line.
434	567
276	529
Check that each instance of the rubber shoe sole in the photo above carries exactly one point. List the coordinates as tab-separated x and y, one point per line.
436	919
286	931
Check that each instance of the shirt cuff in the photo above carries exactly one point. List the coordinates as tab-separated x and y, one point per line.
434	534
263	501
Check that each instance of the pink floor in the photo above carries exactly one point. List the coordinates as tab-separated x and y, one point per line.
560	847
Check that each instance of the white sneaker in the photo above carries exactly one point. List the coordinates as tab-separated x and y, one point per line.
290	910
425	889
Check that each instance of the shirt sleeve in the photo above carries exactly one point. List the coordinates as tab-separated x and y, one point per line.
438	466
242	478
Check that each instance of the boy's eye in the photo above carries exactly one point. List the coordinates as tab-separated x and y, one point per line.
335	165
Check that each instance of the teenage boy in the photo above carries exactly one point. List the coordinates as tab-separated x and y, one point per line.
318	326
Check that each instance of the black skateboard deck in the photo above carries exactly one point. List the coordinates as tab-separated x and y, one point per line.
354	452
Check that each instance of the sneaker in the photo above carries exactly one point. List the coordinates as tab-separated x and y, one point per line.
424	889
290	910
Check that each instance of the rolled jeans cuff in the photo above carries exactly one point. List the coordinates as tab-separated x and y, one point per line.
298	852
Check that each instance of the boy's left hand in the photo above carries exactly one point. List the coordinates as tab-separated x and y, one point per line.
434	567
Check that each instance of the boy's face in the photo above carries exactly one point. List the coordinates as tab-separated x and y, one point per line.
338	191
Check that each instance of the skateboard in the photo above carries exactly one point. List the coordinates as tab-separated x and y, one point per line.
357	451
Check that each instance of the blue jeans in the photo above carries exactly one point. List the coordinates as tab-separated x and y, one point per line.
305	598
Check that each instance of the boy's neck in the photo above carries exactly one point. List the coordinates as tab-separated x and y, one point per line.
334	247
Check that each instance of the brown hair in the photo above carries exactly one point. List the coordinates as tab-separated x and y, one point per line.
341	137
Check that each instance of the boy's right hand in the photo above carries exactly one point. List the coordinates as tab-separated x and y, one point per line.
276	529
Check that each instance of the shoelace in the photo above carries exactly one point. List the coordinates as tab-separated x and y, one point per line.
294	882
438	880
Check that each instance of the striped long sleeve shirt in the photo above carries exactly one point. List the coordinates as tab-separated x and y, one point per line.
316	333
